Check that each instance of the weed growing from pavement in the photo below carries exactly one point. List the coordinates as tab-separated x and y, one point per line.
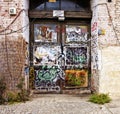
100	98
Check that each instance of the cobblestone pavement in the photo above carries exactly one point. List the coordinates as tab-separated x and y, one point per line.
55	104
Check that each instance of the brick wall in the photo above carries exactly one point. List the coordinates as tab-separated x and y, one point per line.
12	60
12	42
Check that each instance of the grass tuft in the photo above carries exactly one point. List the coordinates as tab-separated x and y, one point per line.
100	98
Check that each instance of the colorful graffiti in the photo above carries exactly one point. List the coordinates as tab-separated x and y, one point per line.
51	61
76	78
45	32
54	63
76	55
76	33
46	54
94	43
47	78
94	27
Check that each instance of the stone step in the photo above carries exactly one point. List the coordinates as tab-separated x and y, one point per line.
80	92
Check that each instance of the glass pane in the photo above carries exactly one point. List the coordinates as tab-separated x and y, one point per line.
76	33
45	33
52	5
76	58
76	55
49	6
46	55
68	5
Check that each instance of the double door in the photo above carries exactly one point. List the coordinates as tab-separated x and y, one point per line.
60	54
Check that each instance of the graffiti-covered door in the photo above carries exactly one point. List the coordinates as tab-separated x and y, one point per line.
77	55
60	55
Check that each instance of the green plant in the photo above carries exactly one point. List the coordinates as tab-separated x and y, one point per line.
11	97
2	90
31	78
100	98
23	94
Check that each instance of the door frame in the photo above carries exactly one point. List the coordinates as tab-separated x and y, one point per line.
67	21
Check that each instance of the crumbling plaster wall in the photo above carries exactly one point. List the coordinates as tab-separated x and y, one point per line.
13	40
108	47
94	48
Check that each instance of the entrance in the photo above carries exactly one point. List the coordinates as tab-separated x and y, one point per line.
61	54
60	44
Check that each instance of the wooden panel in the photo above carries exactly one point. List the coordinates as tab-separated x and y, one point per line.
78	14
49	14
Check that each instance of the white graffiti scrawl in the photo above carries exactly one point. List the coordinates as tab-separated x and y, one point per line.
76	33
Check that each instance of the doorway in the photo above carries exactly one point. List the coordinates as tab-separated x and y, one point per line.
60	44
60	54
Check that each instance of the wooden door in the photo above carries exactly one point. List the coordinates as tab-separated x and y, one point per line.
60	54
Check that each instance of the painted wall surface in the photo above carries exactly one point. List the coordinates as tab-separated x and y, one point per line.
108	47
94	48
25	19
110	72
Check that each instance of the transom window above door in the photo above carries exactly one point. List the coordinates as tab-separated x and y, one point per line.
66	5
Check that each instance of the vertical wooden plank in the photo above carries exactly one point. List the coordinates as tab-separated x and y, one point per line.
31	43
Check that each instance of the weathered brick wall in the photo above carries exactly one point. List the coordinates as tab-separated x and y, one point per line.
12	42
108	47
12	60
6	18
